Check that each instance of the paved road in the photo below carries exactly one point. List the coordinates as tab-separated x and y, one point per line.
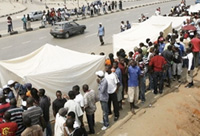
40	6
18	45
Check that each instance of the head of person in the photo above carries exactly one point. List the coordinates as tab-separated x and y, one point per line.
2	99
127	22
76	89
100	24
11	83
115	64
100	74
108	69
71	95
188	50
133	63
70	123
157	52
135	49
13	102
102	53
7	116
122	22
58	94
111	56
71	115
130	54
85	88
28	86
29	102
161	33
41	92
121	60
63	112
147	40
27	121
141	44
169	47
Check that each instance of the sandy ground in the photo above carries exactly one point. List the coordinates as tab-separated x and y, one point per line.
175	114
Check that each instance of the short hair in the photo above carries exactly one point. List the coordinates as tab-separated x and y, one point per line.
7	116
58	91
71	114
70	123
86	87
71	95
30	101
42	91
111	55
102	53
27	121
13	102
76	88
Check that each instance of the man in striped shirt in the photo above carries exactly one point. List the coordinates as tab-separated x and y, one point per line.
16	116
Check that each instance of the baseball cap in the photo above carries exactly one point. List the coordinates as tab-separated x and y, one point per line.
10	82
100	23
100	73
63	112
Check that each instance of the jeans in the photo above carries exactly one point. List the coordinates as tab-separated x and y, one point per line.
90	120
113	99
142	87
151	86
104	106
48	129
158	77
9	28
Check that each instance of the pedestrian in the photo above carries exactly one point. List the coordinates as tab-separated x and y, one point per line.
16	116
103	97
59	121
9	22
8	128
101	33
90	99
158	63
190	68
79	97
58	103
24	20
28	22
133	82
4	106
115	5
128	25
120	4
44	20
31	130
196	49
45	103
122	26
113	86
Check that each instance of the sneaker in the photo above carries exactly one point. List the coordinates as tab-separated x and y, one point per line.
104	128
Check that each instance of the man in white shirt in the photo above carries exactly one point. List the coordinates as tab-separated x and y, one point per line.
79	97
60	120
75	107
113	86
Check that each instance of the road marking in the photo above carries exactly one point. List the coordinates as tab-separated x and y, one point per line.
90	35
6	47
19	17
26	42
127	13
42	37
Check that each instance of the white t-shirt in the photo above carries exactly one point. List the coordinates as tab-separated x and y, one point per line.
79	99
75	107
59	128
112	80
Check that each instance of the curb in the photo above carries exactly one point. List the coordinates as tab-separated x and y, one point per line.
14	13
83	18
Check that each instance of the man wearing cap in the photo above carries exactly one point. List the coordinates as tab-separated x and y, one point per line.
59	121
101	33
103	97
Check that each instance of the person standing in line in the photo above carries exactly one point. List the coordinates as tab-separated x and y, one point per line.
133	84
90	100
101	33
113	86
103	97
79	97
128	25
24	20
190	65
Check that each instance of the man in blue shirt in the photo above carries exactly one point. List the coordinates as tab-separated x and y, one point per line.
133	82
101	33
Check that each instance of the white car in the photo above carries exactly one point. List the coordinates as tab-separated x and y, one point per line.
36	15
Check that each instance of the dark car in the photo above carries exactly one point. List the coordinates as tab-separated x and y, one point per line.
66	29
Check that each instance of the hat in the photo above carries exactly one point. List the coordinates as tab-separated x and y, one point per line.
100	23
6	87
100	73
28	85
10	82
63	112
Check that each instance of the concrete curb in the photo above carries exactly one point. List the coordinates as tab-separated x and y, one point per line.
14	13
87	17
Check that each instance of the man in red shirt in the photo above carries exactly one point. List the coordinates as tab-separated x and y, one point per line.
8	128
158	63
4	106
195	49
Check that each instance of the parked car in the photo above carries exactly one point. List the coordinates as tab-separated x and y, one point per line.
66	29
36	15
197	1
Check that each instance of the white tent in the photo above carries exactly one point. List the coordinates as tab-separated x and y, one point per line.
148	29
194	8
53	68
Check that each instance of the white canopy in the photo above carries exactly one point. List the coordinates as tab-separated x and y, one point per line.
148	29
52	68
194	8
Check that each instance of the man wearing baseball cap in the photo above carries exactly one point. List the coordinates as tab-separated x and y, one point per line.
103	97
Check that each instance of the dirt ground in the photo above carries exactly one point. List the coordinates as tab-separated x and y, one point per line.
175	114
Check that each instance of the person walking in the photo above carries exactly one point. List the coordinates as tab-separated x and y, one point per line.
24	20
103	97
101	33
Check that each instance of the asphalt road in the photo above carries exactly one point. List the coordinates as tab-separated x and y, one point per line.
22	44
